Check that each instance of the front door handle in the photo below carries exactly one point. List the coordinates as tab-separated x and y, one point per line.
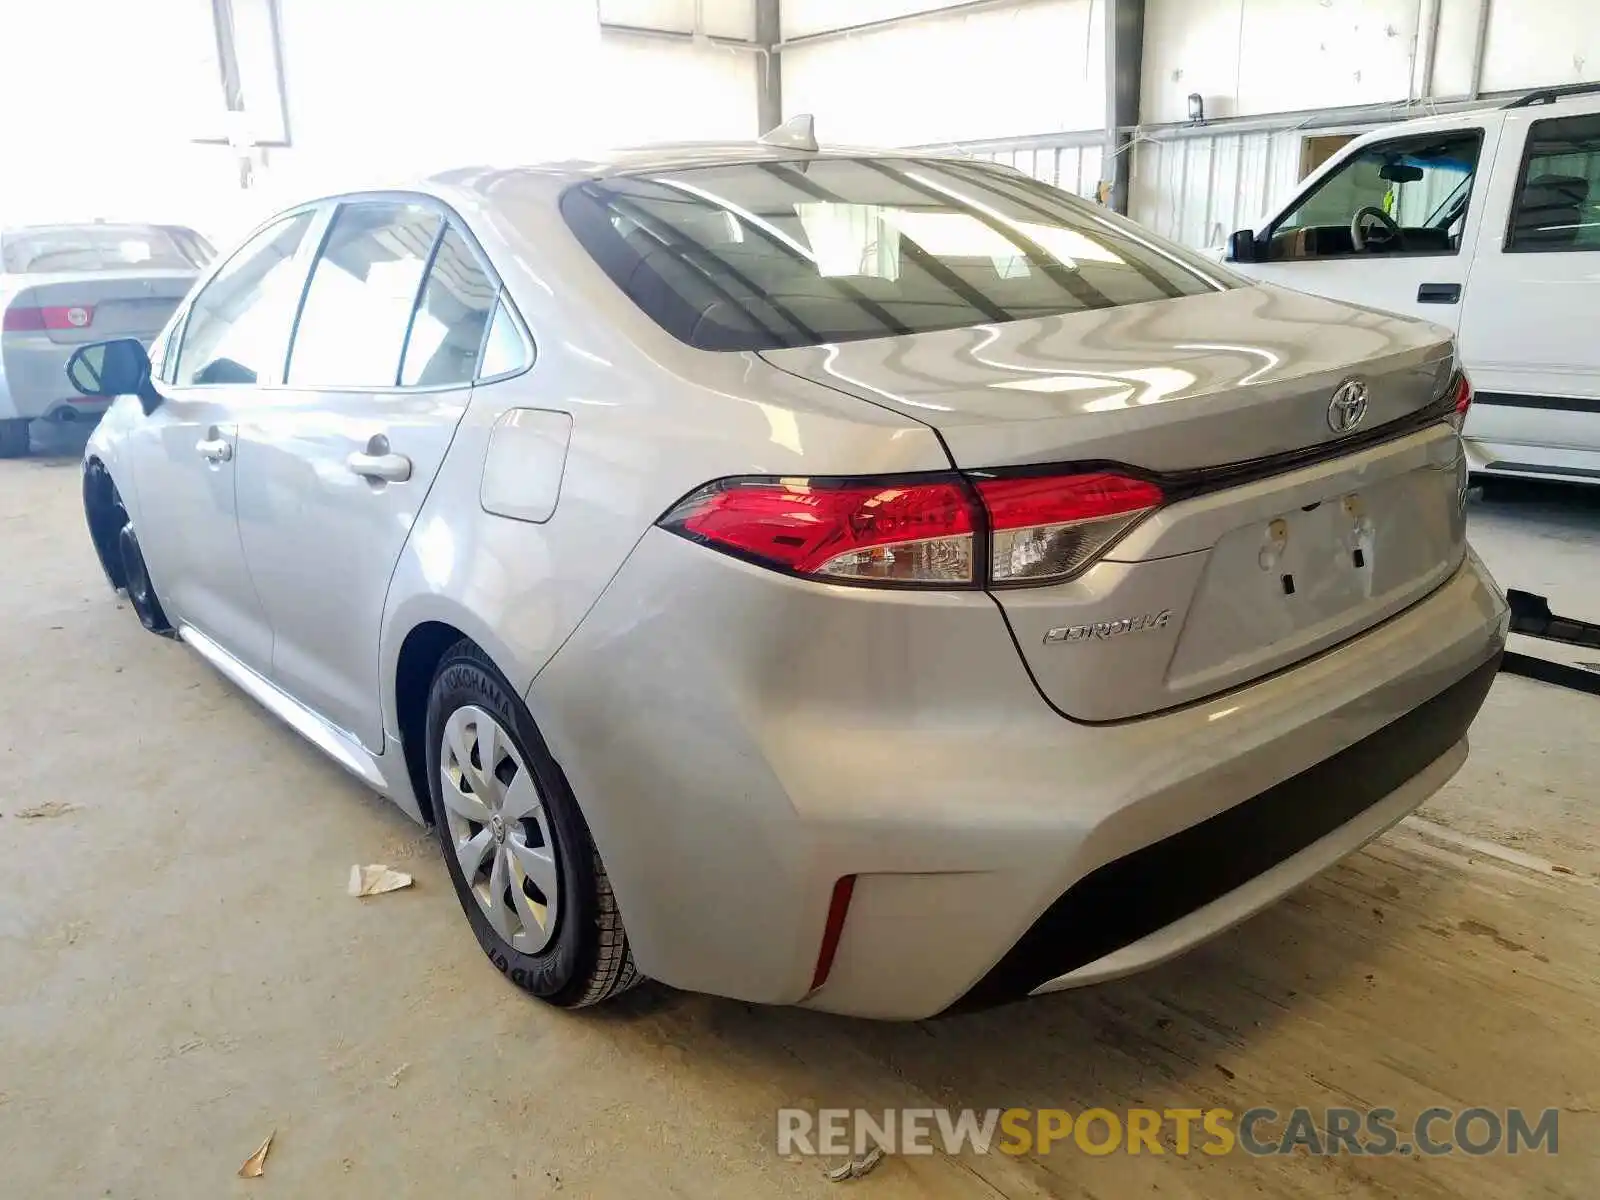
1439	293
215	449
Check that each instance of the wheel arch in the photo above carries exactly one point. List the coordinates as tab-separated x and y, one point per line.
420	653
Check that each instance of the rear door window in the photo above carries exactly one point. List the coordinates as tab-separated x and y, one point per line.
352	327
447	331
1556	207
762	255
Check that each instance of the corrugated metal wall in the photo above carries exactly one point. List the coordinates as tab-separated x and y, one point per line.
1199	189
1072	168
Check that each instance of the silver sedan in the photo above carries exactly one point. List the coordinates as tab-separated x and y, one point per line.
64	286
877	582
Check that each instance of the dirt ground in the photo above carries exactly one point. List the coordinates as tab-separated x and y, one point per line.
181	971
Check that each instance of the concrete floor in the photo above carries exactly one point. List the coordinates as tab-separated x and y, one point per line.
181	970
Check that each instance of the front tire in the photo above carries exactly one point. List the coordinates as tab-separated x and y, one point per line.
141	592
517	848
14	441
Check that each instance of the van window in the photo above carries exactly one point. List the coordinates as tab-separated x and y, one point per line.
1556	207
1400	197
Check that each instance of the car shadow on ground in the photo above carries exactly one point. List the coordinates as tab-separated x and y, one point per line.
58	443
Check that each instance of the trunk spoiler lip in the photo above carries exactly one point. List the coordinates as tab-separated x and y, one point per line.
1196	481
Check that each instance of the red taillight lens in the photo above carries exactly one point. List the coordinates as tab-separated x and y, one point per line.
888	532
1463	398
1040	529
33	320
1048	527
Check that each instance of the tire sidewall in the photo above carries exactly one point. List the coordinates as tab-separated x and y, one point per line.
467	677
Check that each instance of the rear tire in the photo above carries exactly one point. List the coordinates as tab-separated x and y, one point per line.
14	441
537	896
141	592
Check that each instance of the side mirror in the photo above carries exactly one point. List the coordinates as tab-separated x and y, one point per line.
1243	247
112	369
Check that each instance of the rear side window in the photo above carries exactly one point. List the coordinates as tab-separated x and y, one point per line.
755	256
1557	192
238	326
352	327
504	351
447	331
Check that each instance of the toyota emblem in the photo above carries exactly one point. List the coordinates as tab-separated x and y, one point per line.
77	317
1348	408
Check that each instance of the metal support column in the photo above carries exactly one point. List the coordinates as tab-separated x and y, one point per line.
1124	67
769	65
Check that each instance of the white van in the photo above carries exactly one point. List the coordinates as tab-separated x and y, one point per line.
1487	222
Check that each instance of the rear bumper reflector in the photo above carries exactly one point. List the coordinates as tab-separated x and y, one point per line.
838	909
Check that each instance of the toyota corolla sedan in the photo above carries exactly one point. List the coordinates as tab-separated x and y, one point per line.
875	582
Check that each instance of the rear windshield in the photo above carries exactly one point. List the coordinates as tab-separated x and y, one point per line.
94	248
754	256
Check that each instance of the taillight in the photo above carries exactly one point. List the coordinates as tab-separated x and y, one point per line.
887	532
918	532
1048	527
1463	398
34	320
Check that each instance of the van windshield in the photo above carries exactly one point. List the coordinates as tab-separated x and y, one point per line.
760	255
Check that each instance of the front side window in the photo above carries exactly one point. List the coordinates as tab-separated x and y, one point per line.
1556	207
447	331
754	256
238	326
358	305
1403	197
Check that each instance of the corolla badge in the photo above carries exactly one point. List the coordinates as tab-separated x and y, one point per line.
1101	630
1348	407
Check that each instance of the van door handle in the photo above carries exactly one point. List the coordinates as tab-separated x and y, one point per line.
1439	293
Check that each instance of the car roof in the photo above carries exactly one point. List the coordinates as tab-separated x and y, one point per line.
638	160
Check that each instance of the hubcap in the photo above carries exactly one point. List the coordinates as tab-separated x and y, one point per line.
499	829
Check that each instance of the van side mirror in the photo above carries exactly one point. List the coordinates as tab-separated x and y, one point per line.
1243	247
111	369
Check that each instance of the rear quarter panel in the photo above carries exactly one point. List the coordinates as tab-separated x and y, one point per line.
652	419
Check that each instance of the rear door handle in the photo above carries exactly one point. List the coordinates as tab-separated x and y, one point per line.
1439	293
387	468
215	449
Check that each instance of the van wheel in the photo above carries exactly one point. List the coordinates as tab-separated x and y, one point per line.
518	851
14	438
141	592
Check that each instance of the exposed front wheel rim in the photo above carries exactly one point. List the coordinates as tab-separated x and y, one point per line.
498	829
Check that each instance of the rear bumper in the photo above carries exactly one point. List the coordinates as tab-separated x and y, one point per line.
739	741
1154	903
33	379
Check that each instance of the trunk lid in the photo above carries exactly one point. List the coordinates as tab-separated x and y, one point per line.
1243	571
1170	385
131	303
